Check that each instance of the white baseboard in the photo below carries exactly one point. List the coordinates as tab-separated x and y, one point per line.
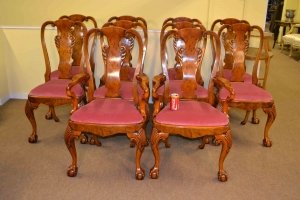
3	100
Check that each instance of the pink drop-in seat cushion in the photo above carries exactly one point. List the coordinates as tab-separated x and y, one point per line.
74	70
192	113
108	111
227	75
126	91
175	87
247	92
55	88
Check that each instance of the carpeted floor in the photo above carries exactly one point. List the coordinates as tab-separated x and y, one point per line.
38	171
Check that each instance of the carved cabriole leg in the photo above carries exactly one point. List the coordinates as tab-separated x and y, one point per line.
204	140
226	141
70	143
254	119
29	107
140	141
155	138
51	114
246	117
271	112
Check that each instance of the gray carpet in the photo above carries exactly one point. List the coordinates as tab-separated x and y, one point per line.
38	171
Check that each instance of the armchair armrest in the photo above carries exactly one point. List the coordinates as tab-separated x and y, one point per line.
77	79
157	82
220	83
143	82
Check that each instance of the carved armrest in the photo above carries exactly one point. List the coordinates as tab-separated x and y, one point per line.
222	82
157	82
77	79
143	82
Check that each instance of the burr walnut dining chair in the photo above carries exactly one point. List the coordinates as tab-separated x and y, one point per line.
248	96
53	91
173	74
194	118
76	52
128	70
112	114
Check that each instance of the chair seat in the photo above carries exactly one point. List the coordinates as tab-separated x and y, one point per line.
126	91
55	89
227	74
175	87
74	70
290	38
108	112
246	92
192	113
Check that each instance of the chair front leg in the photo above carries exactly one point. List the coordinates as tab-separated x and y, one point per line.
29	108
70	143
156	136
226	141
140	141
271	112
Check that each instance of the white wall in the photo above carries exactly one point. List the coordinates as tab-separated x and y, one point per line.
21	61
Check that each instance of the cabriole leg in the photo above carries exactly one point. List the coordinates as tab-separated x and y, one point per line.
70	143
29	107
51	114
140	141
271	112
155	139
226	141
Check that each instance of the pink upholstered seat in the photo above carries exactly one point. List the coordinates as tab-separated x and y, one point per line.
227	74
192	113
175	87
74	70
55	89
126	91
108	111
245	92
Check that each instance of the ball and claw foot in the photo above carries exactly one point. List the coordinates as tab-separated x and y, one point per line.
83	139
94	141
140	174
255	120
243	122
72	171
267	142
154	173
222	176
33	139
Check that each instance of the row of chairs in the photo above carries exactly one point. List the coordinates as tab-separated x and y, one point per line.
120	103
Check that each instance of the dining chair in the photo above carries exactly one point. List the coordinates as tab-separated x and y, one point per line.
248	96
113	114
76	52
53	92
193	118
128	70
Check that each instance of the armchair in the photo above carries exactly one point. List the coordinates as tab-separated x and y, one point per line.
248	96
292	39
112	114
195	118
